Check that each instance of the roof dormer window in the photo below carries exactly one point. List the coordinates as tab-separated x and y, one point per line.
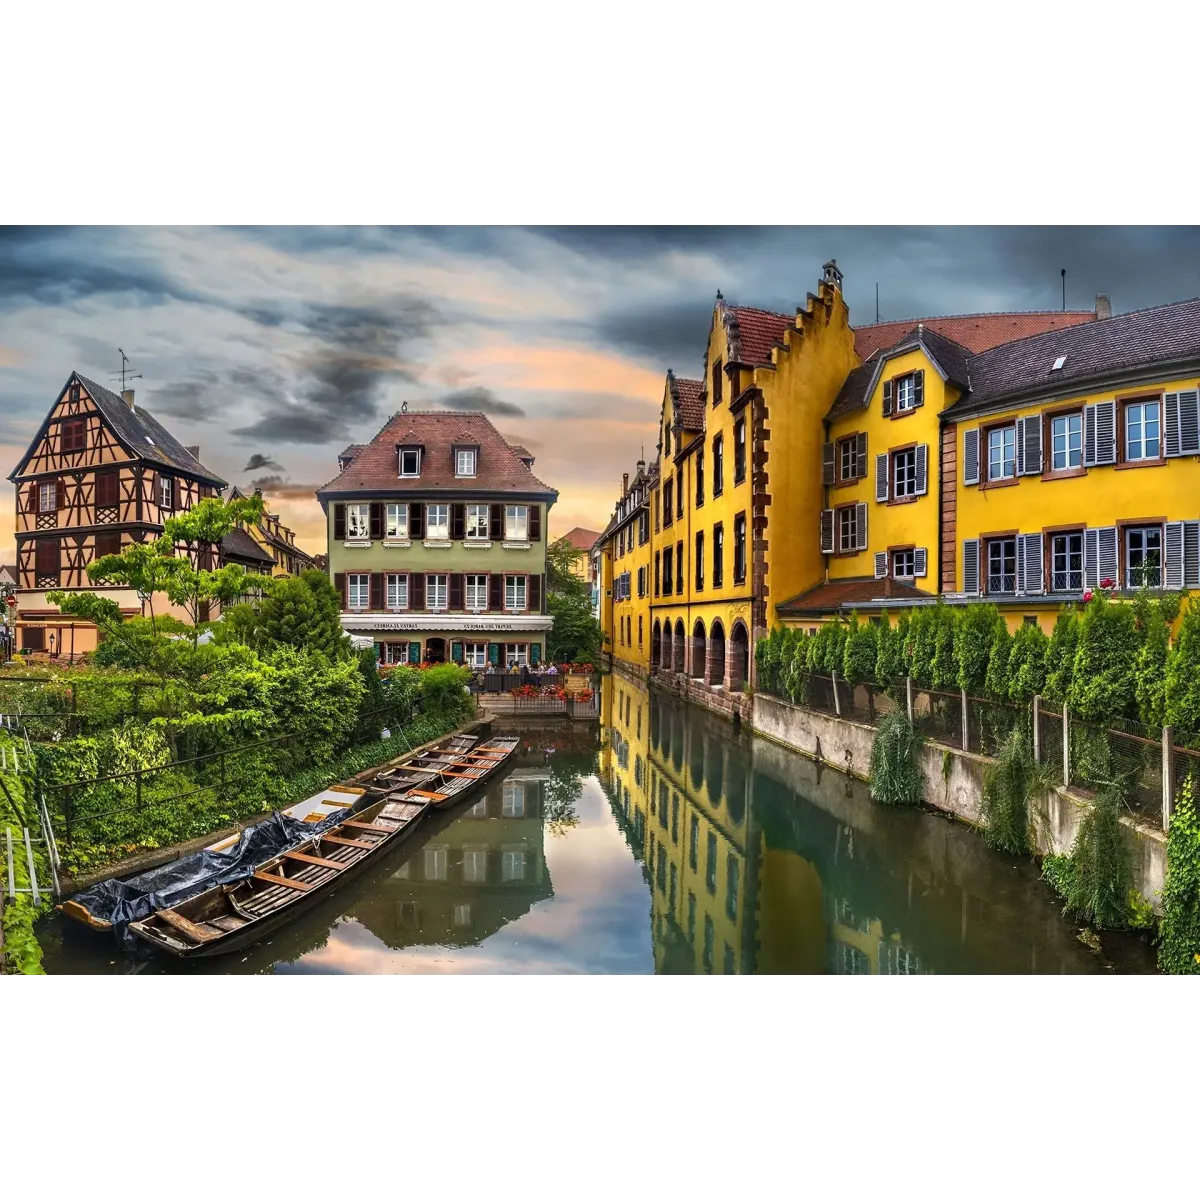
410	462
464	461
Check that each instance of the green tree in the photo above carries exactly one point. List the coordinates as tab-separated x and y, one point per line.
1027	663
1182	693
575	636
1103	685
1151	670
889	657
996	680
1060	657
973	640
1179	933
561	580
859	651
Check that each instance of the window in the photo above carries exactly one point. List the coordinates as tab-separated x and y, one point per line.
1143	555
904	564
710	864
656	571
668	495
166	492
108	489
1066	562
47	497
904	473
739	451
1141	431
848	459
679	573
435	591
474	866
477	592
666	573
397	591
394	652
709	938
512	866
397	522
739	548
1002	565
514	591
475	655
513	799
464	462
731	886
693	842
436	861
639	643
516	654
410	460
718	573
699	460
74	435
477	528
848	529
906	393
700	561
358	522
462	915
358	590
718	381
1066	441
107	543
516	523
679	494
1002	452
437	522
674	884
718	464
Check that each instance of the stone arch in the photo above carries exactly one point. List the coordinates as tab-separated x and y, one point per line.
699	644
739	656
714	666
678	643
655	646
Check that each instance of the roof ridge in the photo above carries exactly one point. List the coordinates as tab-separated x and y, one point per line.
1011	312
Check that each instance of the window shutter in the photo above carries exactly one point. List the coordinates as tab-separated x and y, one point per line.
416	591
860	457
922	456
1173	554
918	388
971	566
1108	553
416	522
535	518
456	590
920	562
861	523
456	652
535	651
1181	421
1100	434
60	494
970	456
1090	557
827	463
881	478
1191	554
887	398
31	498
339	586
1031	560
826	533
1171	427
880	564
497	522
496	592
1100	555
535	592
1029	441
375	600
376	522
458	522
339	522
494	653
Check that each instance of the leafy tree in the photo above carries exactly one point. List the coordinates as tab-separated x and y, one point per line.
1151	670
1179	933
576	633
1182	693
1103	685
1060	657
294	611
996	681
444	692
889	656
561	580
1027	663
859	651
973	640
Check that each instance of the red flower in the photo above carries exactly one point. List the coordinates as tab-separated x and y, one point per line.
1107	584
1087	596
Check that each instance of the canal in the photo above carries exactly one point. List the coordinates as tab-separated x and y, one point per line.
665	841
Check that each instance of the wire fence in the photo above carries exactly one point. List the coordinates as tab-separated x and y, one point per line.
939	715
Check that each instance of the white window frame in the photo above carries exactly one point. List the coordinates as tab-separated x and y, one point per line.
397	522
514	586
510	861
847	458
481	523
358	522
464	464
902	559
516	654
1143	533
474	865
415	452
904	468
850	511
516	522
512	799
1142	408
392	657
475	656
48	496
432	590
462	916
437	861
906	393
360	591
166	492
397	591
1007	435
439	530
1000	544
1072	441
475	595
1066	554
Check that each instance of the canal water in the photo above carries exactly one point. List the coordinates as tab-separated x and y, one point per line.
662	840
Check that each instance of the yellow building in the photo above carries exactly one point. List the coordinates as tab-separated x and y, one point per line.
624	562
274	538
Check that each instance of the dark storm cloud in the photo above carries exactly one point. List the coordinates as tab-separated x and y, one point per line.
670	334
481	399
210	392
267	483
259	461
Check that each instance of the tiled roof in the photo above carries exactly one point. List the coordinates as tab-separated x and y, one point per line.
144	436
846	594
686	395
977	332
238	544
753	331
580	538
351	450
376	468
1168	333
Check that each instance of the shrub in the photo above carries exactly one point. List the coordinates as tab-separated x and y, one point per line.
1150	671
1103	685
1027	663
996	680
1182	690
1100	876
1179	933
944	666
895	765
769	656
1008	785
1060	657
859	651
444	692
973	640
889	653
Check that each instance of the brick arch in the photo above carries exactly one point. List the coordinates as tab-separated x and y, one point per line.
698	647
678	645
714	664
738	651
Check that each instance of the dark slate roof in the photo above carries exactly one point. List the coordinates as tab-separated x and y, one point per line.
135	425
975	331
1166	334
238	544
847	594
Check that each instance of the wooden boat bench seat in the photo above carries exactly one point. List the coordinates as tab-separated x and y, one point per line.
313	860
189	929
360	843
370	826
282	880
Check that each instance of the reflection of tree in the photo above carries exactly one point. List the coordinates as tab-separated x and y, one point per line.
563	789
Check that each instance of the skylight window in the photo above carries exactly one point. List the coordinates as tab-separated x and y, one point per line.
1058	362
150	439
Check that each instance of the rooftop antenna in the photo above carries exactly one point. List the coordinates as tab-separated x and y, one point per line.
877	302
126	373
1064	279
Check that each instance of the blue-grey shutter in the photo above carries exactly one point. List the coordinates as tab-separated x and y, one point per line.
1029	445
1107	553
918	388
1171	428
1173	555
1100	434
860	522
826	531
881	478
971	566
1091	557
1191	554
970	456
922	455
920	562
881	564
860	457
1181	424
887	399
827	451
1029	550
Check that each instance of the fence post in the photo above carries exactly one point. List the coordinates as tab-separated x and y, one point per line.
1066	745
908	697
1037	729
837	700
966	719
1168	774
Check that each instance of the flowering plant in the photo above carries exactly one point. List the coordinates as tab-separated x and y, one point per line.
1087	596
1107	585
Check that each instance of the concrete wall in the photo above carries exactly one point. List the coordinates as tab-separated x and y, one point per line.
954	784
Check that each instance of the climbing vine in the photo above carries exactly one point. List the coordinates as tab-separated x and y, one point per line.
1179	931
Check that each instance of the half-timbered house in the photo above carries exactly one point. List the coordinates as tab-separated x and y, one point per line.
100	473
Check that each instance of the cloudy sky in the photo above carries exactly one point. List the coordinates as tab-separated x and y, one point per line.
274	348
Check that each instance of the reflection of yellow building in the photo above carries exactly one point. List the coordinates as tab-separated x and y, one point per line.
859	946
624	585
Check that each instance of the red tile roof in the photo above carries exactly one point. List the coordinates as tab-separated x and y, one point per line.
846	594
686	392
580	538
753	331
376	467
977	332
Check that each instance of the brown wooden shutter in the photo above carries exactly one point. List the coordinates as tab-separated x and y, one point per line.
456	586
535	520
918	388
827	464
535	593
376	522
860	456
416	591
497	522
339	522
458	525
416	522
60	498
375	600
887	399
496	592
31	498
339	585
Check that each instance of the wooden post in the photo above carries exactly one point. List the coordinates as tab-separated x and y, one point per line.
837	700
908	696
966	717
1037	729
1168	774
1066	745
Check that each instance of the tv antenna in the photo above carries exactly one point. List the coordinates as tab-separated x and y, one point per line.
127	373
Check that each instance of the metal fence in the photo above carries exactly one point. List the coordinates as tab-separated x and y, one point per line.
939	715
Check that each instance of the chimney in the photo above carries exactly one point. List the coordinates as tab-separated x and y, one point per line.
127	396
194	451
1103	306
625	483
